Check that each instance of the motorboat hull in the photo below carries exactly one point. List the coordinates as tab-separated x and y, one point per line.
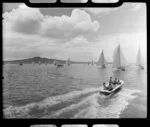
115	90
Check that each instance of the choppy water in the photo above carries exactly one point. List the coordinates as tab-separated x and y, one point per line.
44	91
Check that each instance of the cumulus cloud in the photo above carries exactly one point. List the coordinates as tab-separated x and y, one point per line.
31	21
78	23
23	19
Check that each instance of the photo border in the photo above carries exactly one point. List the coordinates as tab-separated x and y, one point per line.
58	122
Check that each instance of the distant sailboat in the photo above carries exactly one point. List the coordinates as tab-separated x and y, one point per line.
92	63
54	62
139	60
119	60
102	61
68	62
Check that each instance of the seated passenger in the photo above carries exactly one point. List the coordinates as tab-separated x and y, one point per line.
119	81
110	87
116	81
110	80
105	88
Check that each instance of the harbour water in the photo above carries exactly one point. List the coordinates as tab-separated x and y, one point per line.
44	91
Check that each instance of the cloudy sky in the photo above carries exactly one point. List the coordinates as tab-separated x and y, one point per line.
76	33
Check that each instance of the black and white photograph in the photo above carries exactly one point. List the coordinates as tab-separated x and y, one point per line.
74	63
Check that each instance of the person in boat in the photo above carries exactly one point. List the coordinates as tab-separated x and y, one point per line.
110	87
104	85
119	81
116	81
110	80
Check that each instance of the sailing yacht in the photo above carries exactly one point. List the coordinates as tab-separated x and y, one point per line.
102	61
139	60
68	62
119	60
54	62
92	62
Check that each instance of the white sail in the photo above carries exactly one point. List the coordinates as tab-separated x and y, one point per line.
68	62
139	58
119	60
92	63
102	61
54	62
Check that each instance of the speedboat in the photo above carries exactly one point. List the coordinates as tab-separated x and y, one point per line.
114	90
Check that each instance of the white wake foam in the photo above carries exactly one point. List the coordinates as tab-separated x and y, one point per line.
114	108
70	108
23	111
92	107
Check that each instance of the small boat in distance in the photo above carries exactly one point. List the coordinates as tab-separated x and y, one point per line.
20	64
119	61
139	59
113	91
57	63
102	61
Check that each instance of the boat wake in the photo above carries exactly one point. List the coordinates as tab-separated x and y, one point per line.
28	110
87	103
107	107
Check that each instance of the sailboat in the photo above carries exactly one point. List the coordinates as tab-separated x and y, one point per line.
102	61
119	60
92	62
68	62
54	62
139	60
